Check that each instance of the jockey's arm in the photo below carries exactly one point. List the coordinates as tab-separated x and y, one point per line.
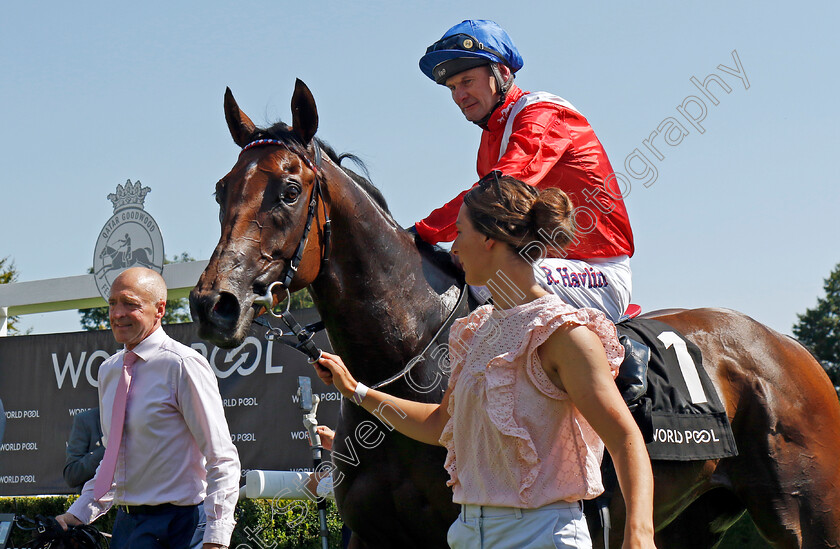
537	142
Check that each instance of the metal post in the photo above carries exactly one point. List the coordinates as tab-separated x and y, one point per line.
309	405
4	320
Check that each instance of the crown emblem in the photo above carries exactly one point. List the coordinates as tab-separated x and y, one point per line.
132	194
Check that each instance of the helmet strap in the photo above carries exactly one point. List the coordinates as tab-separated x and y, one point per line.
501	84
503	88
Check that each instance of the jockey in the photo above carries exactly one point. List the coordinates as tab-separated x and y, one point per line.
544	141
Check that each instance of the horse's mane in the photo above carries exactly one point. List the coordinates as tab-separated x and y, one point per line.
281	132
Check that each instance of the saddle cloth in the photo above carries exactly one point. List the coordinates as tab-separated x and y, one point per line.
684	415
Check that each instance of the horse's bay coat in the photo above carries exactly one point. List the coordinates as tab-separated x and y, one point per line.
784	412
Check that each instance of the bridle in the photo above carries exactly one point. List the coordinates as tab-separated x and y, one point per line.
302	335
317	193
422	355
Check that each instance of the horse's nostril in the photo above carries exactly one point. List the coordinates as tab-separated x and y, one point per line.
227	306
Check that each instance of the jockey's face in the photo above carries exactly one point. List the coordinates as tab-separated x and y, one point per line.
474	91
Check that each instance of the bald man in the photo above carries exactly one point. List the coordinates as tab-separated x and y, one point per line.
174	448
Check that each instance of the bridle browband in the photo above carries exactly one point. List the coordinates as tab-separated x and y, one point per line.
314	166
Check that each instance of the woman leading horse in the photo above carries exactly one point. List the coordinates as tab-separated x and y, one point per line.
525	401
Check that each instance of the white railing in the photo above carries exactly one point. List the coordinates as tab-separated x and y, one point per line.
80	292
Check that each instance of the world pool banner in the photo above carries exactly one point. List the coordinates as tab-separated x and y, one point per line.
45	380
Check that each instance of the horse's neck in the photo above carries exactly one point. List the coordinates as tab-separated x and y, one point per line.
379	303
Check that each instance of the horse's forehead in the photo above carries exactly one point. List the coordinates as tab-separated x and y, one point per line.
268	161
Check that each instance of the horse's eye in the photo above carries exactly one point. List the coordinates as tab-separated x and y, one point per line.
219	195
291	194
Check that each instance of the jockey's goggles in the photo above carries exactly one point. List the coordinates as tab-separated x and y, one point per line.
463	42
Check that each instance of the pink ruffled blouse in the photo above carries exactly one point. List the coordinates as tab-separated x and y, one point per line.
513	438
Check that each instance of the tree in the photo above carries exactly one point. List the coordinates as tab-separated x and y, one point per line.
301	300
177	310
819	328
9	274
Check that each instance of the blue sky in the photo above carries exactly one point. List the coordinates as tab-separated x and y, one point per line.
742	215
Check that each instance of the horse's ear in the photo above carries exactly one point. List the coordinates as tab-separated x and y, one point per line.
240	126
304	113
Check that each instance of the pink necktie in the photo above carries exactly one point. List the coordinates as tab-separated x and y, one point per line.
109	462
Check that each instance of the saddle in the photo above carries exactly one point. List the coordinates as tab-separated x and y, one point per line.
672	400
670	394
632	383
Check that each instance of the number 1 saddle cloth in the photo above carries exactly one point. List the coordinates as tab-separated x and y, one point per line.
681	413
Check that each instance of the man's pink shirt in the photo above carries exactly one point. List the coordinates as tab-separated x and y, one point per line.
176	443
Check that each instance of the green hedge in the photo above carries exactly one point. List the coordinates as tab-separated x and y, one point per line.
293	524
260	524
283	524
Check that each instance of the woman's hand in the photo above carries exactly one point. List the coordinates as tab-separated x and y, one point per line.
421	421
332	371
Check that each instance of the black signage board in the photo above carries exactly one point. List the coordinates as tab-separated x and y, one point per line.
46	379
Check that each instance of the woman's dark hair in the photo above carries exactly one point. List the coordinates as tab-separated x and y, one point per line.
506	209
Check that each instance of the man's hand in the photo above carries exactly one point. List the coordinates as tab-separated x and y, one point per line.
327	435
66	520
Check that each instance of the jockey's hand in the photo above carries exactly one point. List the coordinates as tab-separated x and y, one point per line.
332	371
66	520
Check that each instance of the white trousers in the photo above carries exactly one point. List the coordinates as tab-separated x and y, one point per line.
603	284
557	525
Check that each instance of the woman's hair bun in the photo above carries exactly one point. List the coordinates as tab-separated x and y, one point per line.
552	213
506	209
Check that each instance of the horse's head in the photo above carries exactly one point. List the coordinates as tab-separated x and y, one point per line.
264	206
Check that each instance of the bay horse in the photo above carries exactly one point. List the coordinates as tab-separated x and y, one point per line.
383	296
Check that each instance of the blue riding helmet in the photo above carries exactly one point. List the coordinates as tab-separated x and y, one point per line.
469	44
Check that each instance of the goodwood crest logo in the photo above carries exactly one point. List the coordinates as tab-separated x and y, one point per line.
131	238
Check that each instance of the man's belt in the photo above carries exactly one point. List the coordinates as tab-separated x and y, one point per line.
150	509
